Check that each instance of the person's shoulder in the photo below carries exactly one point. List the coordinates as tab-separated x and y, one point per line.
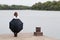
16	17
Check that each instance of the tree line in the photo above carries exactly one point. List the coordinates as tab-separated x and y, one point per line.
13	7
49	5
54	5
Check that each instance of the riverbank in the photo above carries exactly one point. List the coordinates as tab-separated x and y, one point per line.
24	36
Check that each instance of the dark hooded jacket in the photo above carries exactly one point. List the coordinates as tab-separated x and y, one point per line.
16	25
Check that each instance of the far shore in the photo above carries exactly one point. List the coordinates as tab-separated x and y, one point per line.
32	10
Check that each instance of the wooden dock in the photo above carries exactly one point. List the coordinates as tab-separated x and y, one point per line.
24	36
38	35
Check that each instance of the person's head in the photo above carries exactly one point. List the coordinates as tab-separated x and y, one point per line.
15	14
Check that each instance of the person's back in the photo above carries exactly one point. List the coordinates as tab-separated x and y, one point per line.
16	24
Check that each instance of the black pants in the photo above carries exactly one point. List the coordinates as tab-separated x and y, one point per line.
15	34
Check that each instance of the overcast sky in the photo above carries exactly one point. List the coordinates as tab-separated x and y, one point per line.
21	2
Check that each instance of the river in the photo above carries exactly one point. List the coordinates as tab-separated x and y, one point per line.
49	21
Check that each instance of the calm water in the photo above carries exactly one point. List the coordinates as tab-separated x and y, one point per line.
49	21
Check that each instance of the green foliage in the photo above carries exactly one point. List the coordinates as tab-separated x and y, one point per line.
4	7
13	7
49	5
37	6
55	5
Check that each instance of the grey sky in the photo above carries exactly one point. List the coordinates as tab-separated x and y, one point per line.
21	2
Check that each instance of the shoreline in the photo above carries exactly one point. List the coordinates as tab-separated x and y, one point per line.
24	36
31	10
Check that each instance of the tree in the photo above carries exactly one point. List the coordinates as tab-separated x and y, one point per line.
47	5
5	7
37	6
